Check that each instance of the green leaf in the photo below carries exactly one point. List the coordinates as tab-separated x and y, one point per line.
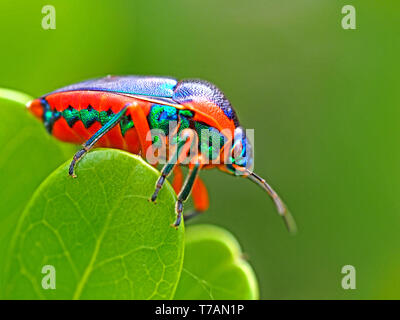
28	154
100	232
214	268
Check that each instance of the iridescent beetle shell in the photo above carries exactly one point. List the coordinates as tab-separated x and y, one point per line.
119	111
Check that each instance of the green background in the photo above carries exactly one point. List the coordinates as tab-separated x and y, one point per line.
323	102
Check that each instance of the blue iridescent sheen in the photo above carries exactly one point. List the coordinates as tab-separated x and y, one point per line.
49	116
198	90
245	158
160	116
140	85
164	88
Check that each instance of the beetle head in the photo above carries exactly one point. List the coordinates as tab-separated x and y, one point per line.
240	158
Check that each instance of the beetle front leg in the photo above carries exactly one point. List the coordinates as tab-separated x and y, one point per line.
185	192
92	141
78	156
167	169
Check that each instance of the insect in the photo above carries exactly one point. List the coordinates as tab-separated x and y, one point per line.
119	111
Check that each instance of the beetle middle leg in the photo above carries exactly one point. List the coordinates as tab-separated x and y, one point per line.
199	194
167	169
92	141
186	190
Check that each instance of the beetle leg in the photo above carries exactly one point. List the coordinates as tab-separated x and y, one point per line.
185	192
200	199
92	141
167	169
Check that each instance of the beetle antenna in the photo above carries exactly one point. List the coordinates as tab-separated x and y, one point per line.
280	206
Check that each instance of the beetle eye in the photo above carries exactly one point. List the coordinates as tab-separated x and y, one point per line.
239	154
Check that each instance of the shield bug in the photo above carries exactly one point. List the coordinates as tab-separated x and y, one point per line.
120	111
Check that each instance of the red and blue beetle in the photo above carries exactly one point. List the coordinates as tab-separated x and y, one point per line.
119	111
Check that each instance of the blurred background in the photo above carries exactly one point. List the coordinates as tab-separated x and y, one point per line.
324	103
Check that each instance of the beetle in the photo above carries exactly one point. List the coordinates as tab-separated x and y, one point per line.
119	111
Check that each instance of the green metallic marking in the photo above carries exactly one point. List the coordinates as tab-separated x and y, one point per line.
92	141
49	116
89	116
185	120
71	116
157	142
126	124
160	117
186	113
209	148
185	116
108	126
105	116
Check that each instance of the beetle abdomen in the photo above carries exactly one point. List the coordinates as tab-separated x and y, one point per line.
75	116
